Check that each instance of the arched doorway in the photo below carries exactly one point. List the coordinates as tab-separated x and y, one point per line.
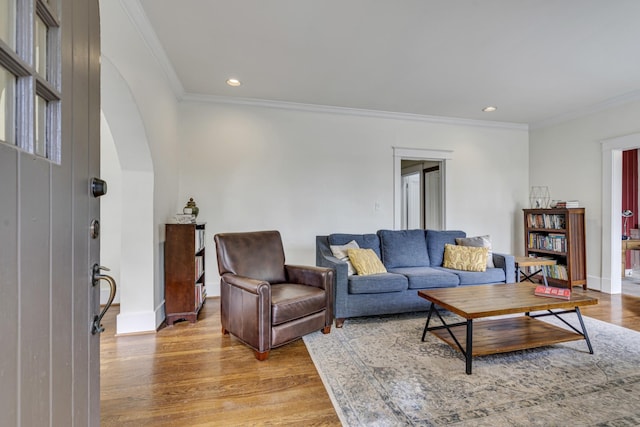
129	211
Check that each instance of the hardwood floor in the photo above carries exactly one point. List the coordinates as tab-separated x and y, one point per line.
192	375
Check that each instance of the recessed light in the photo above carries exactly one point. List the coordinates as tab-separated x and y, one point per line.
233	82
489	109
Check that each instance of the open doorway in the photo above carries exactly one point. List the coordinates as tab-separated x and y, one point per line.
420	189
421	197
630	233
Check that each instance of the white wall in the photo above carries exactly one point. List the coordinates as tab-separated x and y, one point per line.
568	158
110	211
308	173
142	117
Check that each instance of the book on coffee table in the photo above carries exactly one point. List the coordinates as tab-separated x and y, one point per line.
553	292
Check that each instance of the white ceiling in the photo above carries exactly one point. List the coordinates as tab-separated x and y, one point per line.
536	60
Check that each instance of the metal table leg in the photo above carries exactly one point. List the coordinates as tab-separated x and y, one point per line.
469	351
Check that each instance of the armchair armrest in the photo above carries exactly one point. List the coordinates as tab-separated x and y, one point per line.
244	283
508	264
319	277
245	310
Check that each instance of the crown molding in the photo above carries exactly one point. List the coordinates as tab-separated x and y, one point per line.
138	17
582	112
315	108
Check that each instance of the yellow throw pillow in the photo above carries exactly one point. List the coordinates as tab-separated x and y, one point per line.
467	258
365	261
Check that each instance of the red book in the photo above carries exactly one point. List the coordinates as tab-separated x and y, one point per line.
553	292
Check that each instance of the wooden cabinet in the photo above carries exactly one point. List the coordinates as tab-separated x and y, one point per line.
558	234
184	285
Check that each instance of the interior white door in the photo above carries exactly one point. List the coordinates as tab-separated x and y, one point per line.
411	210
432	200
49	359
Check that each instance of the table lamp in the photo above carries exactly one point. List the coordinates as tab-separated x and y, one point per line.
626	214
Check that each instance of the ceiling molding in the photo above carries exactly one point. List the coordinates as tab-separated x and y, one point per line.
350	111
136	13
596	108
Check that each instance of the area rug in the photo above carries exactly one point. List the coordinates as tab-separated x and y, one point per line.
378	373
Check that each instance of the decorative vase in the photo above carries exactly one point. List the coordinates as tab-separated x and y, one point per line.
192	205
539	198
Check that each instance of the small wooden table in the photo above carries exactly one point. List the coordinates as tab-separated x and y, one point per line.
500	335
628	245
525	261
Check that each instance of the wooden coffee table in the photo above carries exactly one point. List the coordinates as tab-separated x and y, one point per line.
504	334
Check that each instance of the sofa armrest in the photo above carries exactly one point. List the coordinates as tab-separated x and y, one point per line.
508	264
325	258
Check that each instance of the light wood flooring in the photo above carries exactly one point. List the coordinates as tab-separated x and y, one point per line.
192	375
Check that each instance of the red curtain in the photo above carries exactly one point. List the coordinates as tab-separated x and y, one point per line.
630	192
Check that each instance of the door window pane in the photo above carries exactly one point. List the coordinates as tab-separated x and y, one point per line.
41	47
7	106
41	127
8	22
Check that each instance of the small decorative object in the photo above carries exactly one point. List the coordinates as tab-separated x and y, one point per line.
184	219
539	197
626	214
191	208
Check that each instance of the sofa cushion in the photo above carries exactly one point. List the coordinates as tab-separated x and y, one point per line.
479	241
435	244
365	262
490	275
428	277
467	258
340	252
403	248
365	241
377	283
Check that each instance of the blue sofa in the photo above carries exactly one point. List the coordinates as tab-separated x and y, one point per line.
413	259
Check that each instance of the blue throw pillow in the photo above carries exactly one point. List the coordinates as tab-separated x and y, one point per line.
403	248
435	244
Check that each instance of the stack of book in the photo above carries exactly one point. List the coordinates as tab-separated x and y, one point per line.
553	292
568	204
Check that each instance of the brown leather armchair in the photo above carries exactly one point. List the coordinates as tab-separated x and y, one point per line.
264	302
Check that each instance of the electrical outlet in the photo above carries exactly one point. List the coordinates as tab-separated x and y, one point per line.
376	206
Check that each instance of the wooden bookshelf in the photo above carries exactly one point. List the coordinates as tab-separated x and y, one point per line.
184	285
558	234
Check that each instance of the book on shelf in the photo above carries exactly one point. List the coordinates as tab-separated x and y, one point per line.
199	264
549	242
553	292
568	204
184	219
557	271
554	221
199	239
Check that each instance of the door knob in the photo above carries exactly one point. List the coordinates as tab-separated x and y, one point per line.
98	187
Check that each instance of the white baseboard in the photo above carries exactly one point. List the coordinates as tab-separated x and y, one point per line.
131	323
